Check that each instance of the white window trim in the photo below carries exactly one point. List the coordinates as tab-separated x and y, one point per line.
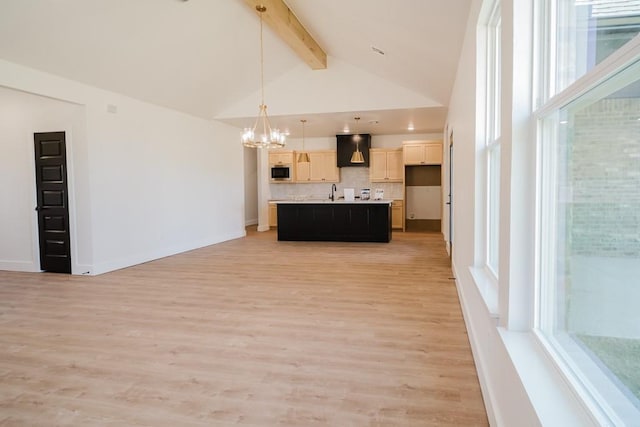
485	278
488	151
492	138
601	72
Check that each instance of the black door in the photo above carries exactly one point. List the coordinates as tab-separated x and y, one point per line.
53	202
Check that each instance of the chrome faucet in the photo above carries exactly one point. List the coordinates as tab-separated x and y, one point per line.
333	190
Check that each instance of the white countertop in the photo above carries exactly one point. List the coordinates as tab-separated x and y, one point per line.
339	201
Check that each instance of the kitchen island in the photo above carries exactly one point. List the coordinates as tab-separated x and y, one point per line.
337	221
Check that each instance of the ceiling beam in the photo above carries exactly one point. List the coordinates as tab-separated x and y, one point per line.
280	18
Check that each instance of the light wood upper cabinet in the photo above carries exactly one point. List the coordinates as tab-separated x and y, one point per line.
280	157
321	168
385	165
422	153
302	172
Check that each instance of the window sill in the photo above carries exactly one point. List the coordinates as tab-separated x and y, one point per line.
488	288
553	399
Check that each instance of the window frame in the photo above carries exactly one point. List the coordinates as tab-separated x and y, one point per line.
489	91
493	141
566	354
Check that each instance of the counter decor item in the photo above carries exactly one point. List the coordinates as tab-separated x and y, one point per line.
365	194
379	194
349	194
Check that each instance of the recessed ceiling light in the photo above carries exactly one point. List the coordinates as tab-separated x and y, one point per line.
564	122
410	127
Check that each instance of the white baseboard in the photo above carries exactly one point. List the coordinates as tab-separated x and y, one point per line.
24	266
118	264
482	370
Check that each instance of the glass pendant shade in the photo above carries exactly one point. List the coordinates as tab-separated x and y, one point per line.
262	135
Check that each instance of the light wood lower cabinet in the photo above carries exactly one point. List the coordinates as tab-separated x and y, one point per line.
397	214
273	215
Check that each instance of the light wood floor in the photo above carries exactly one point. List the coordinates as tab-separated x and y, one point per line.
247	332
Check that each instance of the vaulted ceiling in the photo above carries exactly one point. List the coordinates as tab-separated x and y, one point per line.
202	57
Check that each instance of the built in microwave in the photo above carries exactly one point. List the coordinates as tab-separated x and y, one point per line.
281	173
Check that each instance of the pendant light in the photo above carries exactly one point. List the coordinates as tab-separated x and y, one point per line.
262	135
303	157
357	156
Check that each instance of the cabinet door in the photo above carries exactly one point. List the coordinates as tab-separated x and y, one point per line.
397	213
322	166
280	157
433	154
331	171
316	167
378	166
273	215
302	172
413	154
395	171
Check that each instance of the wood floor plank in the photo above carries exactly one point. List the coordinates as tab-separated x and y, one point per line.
251	332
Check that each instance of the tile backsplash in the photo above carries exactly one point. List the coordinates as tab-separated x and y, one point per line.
351	177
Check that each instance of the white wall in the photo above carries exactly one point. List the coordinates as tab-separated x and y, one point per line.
250	186
339	87
148	181
23	114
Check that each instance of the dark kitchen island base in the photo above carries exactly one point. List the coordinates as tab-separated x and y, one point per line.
335	221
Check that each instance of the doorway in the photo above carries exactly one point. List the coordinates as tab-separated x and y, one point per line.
52	202
423	198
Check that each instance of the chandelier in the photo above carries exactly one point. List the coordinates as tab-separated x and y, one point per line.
262	135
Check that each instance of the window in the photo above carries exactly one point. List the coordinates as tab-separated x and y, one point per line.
586	33
589	219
